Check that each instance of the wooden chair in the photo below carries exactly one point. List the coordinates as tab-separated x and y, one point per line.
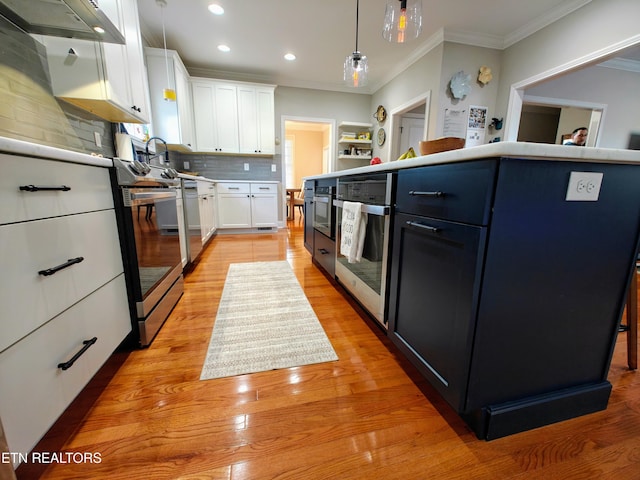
443	144
298	201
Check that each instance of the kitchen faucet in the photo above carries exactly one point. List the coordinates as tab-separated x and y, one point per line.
166	150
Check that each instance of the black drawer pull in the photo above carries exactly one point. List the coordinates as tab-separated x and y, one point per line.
426	194
323	251
68	263
34	188
424	227
69	364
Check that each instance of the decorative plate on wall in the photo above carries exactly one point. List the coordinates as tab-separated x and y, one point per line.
381	114
382	136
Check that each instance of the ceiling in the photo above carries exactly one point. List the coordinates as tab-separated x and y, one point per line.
321	33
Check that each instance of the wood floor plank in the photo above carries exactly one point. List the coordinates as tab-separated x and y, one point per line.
367	415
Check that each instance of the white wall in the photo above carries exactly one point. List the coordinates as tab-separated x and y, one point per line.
423	76
469	59
570	43
302	102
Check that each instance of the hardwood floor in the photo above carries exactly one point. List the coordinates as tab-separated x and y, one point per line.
368	415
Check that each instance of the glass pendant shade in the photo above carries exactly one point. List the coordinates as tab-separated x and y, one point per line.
402	20
355	70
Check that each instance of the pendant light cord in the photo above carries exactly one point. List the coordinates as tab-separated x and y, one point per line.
164	41
357	21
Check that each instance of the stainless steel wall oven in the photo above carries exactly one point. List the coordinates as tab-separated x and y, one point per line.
366	280
150	250
323	212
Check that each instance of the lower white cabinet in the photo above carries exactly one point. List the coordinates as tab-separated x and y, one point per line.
63	296
207	200
36	388
247	205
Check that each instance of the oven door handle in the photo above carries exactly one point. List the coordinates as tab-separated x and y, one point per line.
320	199
380	210
152	195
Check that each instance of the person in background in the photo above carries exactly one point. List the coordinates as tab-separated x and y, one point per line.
578	137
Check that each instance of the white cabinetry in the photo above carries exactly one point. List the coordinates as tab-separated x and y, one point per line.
172	121
256	119
233	117
354	144
244	205
215	112
106	79
207	200
63	292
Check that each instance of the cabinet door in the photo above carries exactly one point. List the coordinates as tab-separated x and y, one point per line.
234	210
256	119
226	117
183	94
204	116
433	298
266	120
248	119
171	120
136	71
215	112
264	210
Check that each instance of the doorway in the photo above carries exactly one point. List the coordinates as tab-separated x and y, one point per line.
307	149
409	125
552	120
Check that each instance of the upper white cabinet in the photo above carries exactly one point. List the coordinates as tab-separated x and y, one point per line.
106	79
233	117
215	112
172	121
256	119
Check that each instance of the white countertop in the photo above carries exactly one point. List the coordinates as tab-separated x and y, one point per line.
28	149
523	150
186	176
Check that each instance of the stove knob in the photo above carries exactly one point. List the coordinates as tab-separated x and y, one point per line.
138	167
168	173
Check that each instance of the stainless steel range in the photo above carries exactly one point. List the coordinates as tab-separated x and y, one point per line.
143	194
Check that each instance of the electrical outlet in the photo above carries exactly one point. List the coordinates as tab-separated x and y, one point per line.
186	164
246	167
273	167
98	139
584	187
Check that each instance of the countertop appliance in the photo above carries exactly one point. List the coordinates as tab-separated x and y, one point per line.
366	280
151	253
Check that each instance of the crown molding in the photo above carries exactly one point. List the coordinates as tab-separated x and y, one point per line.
543	21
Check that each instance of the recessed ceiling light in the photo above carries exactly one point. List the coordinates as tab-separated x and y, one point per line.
224	48
216	9
290	56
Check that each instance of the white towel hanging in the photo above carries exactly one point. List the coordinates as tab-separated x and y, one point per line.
354	227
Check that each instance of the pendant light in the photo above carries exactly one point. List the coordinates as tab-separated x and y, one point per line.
355	65
169	94
402	20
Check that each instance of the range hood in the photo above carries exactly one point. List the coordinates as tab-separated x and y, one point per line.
62	18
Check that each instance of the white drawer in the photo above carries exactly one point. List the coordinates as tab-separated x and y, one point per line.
234	187
264	188
33	390
29	299
89	188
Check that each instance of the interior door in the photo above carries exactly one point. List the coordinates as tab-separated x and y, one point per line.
411	132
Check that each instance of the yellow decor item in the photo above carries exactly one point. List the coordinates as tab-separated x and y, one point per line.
408	154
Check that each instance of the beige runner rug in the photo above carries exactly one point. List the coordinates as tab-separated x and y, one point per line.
264	322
